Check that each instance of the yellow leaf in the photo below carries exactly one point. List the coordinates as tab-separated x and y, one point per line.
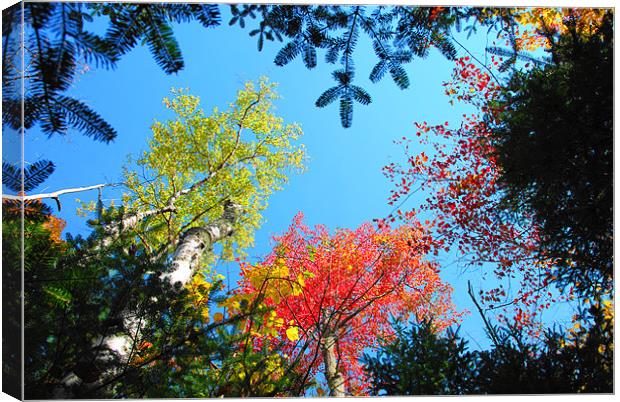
218	317
292	333
300	279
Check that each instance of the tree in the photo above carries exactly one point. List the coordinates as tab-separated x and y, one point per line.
331	295
553	142
460	179
138	294
469	197
43	232
196	164
579	360
419	361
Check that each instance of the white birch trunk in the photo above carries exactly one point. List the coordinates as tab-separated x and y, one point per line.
118	347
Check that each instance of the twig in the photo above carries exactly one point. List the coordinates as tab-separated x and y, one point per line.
484	318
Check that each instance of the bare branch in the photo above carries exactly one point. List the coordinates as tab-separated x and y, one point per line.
55	195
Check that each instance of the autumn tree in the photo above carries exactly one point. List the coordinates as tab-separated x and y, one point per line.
469	174
459	177
209	177
331	295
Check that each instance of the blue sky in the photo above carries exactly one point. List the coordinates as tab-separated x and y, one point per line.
343	185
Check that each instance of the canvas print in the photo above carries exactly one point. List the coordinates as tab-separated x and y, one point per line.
306	200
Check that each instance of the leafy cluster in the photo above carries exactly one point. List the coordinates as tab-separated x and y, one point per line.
151	25
197	163
419	361
56	41
398	35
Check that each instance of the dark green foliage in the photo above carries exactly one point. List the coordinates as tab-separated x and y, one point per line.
12	367
554	143
131	24
80	291
73	293
512	57
558	365
34	174
347	93
420	362
55	41
51	57
222	362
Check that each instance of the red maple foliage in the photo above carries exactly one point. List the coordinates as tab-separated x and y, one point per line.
460	176
347	285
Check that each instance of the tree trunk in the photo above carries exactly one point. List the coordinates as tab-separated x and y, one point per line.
335	380
113	231
118	347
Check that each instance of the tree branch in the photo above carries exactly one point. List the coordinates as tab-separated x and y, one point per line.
55	194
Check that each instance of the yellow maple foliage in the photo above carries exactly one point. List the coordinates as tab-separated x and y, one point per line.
534	23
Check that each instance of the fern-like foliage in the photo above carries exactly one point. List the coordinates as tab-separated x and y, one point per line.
34	175
398	34
57	42
11	176
131	24
512	56
347	93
